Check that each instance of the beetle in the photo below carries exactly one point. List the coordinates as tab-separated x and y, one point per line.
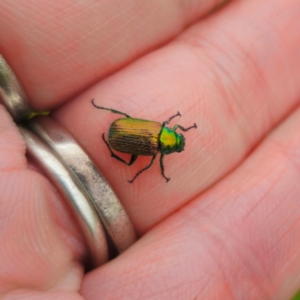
143	137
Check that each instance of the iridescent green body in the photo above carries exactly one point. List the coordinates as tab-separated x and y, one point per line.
143	137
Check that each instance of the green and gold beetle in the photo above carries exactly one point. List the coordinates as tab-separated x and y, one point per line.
143	137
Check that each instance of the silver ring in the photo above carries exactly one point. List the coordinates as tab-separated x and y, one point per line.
12	94
63	180
72	171
107	205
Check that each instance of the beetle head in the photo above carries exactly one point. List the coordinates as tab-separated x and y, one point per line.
180	142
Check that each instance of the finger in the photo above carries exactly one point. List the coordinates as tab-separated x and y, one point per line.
38	234
23	294
234	80
240	238
60	49
35	253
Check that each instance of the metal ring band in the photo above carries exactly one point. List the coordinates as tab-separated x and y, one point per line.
85	178
63	180
109	208
12	93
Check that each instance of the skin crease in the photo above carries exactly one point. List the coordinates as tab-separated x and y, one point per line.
227	225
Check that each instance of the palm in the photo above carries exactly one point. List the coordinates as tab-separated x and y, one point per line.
226	225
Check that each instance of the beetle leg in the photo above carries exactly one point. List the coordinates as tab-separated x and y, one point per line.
162	168
111	110
168	121
184	129
144	169
132	160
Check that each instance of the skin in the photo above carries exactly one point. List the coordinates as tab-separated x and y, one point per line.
227	225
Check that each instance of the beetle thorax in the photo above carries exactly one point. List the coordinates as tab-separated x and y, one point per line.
171	141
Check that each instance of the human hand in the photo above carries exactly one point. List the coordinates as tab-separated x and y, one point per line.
226	225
